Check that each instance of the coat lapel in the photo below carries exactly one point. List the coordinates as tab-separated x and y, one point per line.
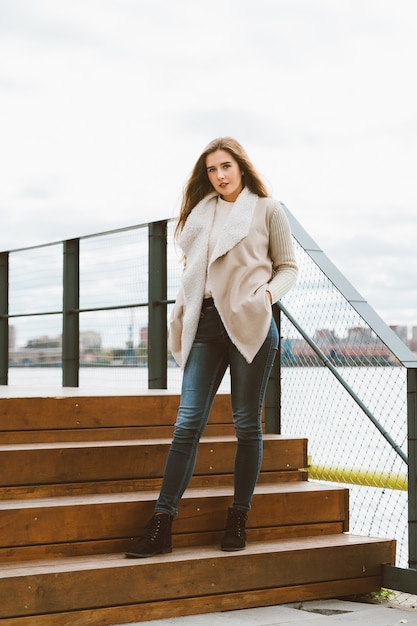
197	227
194	241
237	224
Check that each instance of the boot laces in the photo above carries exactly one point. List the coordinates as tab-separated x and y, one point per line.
152	528
236	522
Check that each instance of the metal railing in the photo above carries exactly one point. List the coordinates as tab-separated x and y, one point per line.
355	401
92	312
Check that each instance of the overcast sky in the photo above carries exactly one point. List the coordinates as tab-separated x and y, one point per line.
106	104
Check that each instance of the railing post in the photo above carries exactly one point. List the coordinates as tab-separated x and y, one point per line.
412	466
272	402
157	306
4	319
70	315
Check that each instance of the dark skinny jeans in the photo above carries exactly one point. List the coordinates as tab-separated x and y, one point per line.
212	352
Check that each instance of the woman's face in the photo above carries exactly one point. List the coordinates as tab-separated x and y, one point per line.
224	174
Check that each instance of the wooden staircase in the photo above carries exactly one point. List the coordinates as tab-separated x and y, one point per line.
79	477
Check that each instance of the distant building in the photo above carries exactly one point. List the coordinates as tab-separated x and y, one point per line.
90	346
413	341
401	331
361	345
47	350
144	335
40	343
359	334
12	337
90	340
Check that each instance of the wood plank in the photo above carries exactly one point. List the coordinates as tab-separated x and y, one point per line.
153	408
116	516
69	585
113	546
105	434
273	505
141	484
204	605
63	462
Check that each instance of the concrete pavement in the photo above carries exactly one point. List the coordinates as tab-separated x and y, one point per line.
313	613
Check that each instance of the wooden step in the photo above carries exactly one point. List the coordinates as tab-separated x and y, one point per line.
149	415
108	589
79	476
68	462
151	409
138	484
91	524
105	433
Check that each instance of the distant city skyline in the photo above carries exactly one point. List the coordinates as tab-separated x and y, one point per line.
358	340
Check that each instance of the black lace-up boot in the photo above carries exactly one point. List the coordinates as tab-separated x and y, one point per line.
156	538
234	537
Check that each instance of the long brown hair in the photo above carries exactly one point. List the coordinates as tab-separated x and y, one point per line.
198	184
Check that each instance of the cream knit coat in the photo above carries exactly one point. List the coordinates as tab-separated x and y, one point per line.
254	253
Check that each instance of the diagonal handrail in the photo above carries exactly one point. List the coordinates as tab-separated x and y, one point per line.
344	383
351	295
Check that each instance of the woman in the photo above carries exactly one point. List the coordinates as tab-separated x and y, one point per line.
238	261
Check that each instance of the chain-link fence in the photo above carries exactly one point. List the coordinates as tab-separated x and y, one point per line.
356	429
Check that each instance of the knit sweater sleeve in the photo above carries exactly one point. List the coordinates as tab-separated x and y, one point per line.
282	254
